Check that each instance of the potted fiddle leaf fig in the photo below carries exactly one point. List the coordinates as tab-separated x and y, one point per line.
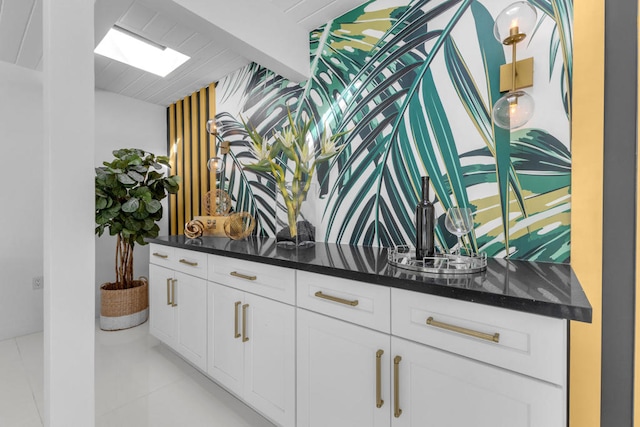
129	190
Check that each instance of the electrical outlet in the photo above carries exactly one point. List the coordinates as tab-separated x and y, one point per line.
37	282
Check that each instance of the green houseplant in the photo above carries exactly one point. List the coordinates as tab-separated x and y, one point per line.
293	145
128	194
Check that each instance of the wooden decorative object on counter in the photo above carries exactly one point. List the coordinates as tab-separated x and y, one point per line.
194	229
239	225
216	202
213	225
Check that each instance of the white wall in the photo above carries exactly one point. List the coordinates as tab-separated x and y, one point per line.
21	204
120	122
123	122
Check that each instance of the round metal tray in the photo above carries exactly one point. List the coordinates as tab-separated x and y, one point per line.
441	264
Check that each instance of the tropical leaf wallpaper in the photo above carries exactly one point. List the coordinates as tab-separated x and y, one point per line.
413	83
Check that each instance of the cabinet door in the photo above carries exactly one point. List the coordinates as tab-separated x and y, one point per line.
226	364
453	391
337	373
191	318
161	313
269	354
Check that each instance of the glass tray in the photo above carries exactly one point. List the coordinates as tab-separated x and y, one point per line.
405	257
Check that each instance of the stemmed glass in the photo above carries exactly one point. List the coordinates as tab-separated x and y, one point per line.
459	221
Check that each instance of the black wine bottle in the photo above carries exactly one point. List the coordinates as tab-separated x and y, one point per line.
425	223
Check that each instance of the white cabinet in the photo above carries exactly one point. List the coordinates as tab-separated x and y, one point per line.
343	373
522	342
190	300
454	391
252	350
341	382
161	313
178	312
226	349
310	350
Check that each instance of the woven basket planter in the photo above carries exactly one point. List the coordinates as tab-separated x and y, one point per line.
124	308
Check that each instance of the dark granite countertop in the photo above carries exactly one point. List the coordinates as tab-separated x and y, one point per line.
541	288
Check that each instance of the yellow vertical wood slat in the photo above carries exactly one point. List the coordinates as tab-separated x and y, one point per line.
212	142
204	153
187	160
587	152
195	156
180	168
636	370
173	203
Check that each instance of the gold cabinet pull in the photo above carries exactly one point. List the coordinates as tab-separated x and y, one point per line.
379	401
236	332
191	263
396	387
173	293
243	276
245	338
159	255
169	291
353	303
489	337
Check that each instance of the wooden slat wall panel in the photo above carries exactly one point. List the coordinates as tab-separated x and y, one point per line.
187	161
195	155
180	168
212	141
173	198
190	147
204	141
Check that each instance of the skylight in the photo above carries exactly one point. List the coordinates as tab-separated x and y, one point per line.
129	48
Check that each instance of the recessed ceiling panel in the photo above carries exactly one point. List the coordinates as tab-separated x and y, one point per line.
162	21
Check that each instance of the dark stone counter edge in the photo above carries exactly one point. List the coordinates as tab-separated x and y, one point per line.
581	312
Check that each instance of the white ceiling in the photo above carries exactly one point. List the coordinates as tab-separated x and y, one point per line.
215	49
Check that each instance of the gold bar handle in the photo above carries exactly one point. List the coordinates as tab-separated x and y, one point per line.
169	291
236	333
245	338
191	263
379	401
353	303
489	337
173	292
159	255
396	387
243	276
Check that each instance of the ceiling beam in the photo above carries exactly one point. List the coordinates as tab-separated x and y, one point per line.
258	31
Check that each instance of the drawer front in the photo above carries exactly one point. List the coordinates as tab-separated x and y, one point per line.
269	281
190	262
161	255
522	342
356	302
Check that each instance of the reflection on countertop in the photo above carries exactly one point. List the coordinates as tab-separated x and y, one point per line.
541	288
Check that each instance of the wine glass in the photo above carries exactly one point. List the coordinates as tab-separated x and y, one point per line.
459	221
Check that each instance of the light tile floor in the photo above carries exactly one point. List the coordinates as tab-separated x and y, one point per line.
139	382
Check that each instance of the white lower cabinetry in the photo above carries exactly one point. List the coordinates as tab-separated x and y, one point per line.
338	372
419	385
252	350
178	306
309	350
454	391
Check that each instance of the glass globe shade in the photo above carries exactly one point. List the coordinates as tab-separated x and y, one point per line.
513	110
211	126
216	164
520	14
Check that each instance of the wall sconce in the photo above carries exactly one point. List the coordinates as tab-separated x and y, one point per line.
215	163
515	108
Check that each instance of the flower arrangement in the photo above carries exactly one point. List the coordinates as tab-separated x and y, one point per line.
293	143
